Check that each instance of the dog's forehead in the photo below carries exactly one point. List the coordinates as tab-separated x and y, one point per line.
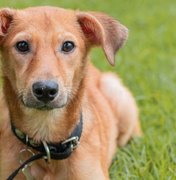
46	18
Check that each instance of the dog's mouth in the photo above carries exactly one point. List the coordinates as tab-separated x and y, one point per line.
30	102
42	108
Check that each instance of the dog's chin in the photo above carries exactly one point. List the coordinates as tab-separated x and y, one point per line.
44	106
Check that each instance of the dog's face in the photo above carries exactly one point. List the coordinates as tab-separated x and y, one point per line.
44	51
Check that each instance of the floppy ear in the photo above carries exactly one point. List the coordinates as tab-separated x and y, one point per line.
6	17
103	30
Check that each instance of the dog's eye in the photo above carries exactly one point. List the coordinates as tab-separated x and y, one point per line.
67	46
22	46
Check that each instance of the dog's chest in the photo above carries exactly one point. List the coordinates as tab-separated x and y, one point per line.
55	170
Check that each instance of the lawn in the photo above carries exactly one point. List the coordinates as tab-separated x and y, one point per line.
147	65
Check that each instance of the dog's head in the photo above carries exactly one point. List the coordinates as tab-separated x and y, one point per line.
44	51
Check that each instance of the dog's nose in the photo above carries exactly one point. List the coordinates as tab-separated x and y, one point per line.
45	91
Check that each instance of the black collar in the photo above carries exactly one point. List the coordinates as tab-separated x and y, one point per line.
48	151
59	150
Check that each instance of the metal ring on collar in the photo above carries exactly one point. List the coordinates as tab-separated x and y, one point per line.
47	150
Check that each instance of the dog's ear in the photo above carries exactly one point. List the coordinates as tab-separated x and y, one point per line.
6	17
100	29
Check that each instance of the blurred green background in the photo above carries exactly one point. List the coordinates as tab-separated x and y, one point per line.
147	65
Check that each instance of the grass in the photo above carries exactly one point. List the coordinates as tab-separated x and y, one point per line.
147	64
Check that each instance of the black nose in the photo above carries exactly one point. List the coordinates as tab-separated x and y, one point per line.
45	90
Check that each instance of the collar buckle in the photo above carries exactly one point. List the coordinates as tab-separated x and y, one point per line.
74	142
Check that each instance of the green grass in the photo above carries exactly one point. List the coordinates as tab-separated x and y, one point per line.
147	64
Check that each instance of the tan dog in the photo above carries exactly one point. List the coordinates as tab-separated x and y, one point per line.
48	83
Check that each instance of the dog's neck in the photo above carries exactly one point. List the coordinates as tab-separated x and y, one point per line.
50	125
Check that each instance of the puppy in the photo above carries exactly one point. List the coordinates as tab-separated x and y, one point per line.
55	104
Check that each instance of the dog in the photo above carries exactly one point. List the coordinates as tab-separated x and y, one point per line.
55	106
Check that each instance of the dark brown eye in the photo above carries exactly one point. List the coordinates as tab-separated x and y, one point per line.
22	46
67	46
